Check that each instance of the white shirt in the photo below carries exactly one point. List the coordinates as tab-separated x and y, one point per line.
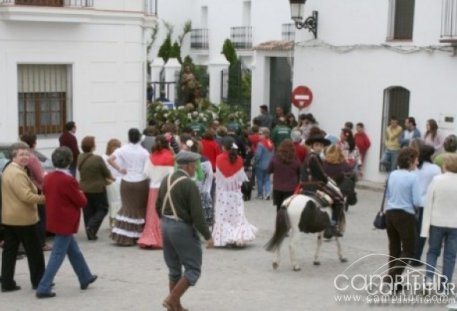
425	175
440	206
132	157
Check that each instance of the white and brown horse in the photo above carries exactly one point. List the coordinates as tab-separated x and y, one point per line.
288	219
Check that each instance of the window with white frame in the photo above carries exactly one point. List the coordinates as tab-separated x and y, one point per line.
44	98
401	20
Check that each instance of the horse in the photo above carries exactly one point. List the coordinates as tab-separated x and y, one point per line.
289	220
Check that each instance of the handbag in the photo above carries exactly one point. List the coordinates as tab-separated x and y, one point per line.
379	221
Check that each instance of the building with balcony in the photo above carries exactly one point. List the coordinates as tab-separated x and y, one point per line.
81	60
248	24
376	59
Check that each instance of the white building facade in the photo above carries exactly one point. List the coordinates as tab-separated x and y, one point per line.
379	58
79	60
247	23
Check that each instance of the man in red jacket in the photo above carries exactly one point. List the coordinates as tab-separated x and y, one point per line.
64	201
68	139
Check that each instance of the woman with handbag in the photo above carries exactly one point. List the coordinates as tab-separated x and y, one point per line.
402	196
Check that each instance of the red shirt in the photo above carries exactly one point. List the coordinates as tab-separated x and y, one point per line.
301	152
362	142
69	140
64	200
254	139
210	149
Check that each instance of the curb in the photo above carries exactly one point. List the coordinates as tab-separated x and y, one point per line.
369	185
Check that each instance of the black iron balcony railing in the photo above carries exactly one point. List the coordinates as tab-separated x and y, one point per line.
288	32
54	3
241	37
150	7
449	21
199	39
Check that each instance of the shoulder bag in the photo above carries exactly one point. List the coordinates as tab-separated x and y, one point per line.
379	221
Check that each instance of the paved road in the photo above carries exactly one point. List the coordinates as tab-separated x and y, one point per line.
232	279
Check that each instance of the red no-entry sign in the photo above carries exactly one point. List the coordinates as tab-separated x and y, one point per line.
302	97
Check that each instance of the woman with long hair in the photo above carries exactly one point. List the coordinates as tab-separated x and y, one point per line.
350	150
335	165
230	224
160	164
285	168
432	137
113	190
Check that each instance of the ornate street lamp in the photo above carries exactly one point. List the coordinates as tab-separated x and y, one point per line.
296	13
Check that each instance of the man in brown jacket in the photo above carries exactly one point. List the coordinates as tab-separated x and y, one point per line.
19	218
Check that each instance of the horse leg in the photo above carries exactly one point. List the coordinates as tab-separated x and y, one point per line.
316	261
294	236
276	258
339	250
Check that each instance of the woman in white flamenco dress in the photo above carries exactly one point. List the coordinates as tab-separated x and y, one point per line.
231	227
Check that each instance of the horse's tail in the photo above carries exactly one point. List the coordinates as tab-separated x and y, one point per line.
282	227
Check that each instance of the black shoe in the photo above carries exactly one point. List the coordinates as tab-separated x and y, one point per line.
267	198
91	236
416	263
10	289
92	280
34	287
45	295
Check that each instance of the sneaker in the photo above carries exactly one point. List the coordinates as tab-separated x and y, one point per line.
267	197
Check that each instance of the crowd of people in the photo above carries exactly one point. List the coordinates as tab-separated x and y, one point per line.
165	184
420	199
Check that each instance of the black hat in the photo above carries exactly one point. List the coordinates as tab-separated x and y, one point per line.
317	139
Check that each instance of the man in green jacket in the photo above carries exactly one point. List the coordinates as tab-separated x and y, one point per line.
280	132
180	209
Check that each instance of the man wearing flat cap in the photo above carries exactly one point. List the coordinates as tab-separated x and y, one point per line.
180	209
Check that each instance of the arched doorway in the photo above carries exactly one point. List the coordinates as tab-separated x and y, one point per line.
396	103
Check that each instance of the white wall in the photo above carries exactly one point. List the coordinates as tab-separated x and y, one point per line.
108	61
350	86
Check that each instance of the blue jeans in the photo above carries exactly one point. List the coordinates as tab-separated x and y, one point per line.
64	245
263	182
389	159
437	236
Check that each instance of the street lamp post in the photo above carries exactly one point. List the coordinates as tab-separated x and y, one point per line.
296	13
